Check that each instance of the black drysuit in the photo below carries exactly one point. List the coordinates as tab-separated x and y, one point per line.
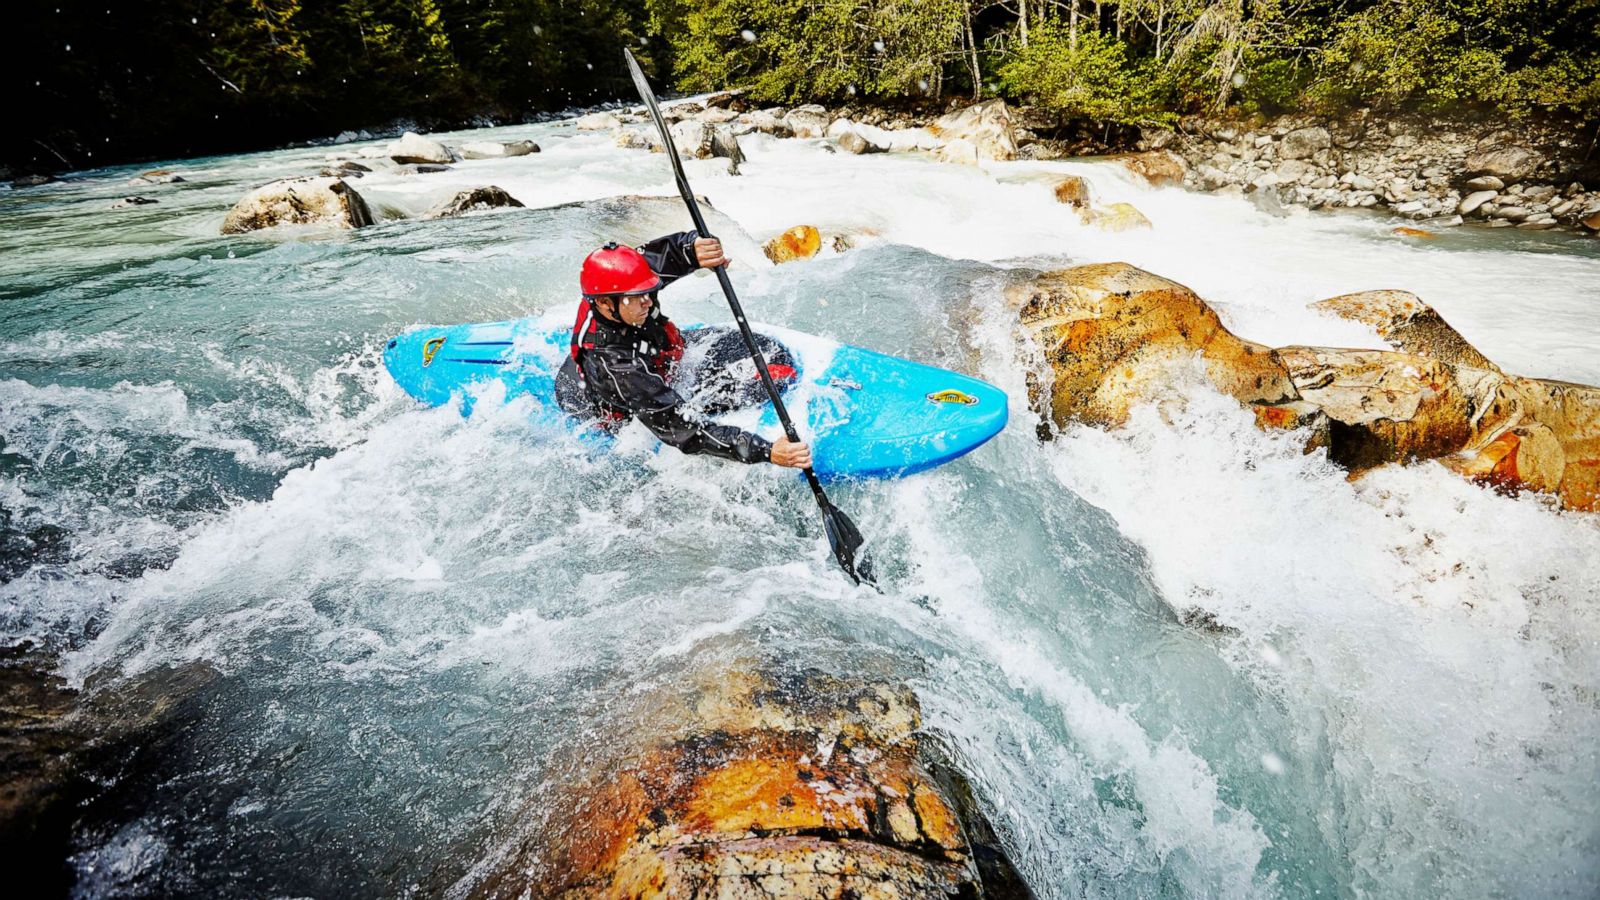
618	371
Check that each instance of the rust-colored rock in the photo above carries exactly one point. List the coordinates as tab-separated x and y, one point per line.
1156	167
298	201
1073	191
1292	415
1404	231
1408	324
1114	334
799	786
1527	457
1382	406
799	242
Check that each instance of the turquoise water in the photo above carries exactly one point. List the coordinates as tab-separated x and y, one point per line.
392	630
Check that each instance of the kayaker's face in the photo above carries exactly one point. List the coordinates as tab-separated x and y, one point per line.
634	310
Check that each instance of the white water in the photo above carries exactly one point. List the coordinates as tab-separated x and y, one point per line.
412	616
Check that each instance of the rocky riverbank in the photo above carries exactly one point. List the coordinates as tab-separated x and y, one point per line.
1440	172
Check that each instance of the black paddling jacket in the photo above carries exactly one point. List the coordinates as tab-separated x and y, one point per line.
617	371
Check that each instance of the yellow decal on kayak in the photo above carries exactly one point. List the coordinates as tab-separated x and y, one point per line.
429	349
951	395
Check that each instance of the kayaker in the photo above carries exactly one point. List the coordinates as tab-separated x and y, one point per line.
624	351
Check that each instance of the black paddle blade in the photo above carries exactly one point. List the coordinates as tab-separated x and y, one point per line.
846	540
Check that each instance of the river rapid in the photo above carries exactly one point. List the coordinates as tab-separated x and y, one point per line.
385	626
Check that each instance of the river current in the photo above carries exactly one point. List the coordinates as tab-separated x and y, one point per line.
386	625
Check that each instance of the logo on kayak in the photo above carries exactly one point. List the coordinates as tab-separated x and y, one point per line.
429	349
951	395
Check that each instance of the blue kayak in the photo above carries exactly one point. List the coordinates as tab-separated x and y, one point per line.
866	414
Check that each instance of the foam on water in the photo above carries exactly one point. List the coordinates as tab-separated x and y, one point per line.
1180	659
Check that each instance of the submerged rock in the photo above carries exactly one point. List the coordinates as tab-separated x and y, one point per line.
298	201
126	202
1406	323
1116	217
763	784
480	198
157	176
799	242
987	126
1116	336
414	148
22	181
497	149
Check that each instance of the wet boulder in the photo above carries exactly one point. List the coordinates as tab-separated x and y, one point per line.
598	121
635	139
1116	336
726	146
987	126
750	782
1524	457
960	151
809	121
1408	324
1156	167
414	148
799	242
766	121
692	138
497	149
1072	190
477	199
298	201
127	202
1382	406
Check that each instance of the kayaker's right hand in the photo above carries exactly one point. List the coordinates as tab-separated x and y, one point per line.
791	454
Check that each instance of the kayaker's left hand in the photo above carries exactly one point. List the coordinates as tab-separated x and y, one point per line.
709	253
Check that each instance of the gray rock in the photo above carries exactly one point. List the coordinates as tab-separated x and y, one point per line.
1486	183
1472	201
1512	213
1324	183
157	176
126	202
23	181
809	121
497	149
725	145
1540	193
765	122
854	143
692	137
298	201
634	139
490	197
1513	162
1293	169
414	148
1304	142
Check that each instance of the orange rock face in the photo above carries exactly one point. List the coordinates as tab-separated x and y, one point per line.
1408	324
799	242
808	788
1114	336
1403	231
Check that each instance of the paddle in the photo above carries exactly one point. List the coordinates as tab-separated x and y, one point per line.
842	533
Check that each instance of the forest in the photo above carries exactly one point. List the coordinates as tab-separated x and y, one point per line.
113	81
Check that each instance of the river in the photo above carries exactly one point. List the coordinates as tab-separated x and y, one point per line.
403	617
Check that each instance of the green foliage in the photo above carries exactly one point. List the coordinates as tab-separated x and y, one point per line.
1092	78
789	50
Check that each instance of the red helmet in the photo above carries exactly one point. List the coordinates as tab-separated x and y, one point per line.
614	270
